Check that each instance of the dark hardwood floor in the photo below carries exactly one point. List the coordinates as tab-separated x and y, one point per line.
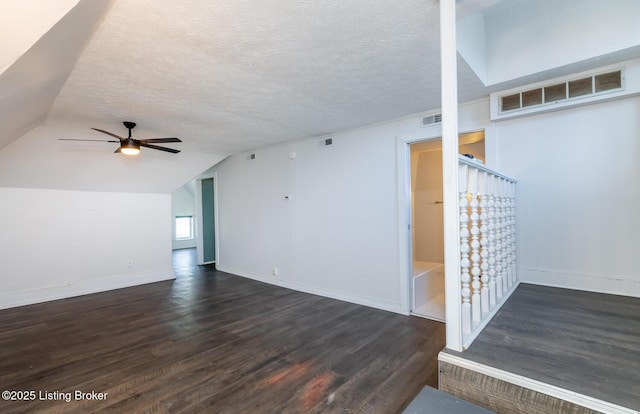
211	342
581	341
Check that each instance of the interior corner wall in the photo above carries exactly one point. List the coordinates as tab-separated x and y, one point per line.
58	243
182	204
578	175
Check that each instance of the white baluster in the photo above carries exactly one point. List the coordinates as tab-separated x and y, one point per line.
476	309
507	231
512	252
500	282
491	237
504	237
510	238
464	249
484	266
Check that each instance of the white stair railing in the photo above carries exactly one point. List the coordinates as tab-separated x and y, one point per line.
487	244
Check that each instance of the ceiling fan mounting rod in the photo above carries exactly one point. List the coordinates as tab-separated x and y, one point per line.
129	125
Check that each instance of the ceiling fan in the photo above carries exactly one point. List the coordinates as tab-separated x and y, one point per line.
129	145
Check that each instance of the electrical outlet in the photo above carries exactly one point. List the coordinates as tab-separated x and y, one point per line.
274	271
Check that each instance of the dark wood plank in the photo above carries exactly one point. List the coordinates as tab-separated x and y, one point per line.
214	342
581	341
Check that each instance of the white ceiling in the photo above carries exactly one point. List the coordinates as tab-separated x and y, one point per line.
232	76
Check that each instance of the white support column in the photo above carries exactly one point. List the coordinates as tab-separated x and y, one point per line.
449	93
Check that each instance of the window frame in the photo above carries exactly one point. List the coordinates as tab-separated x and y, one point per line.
191	228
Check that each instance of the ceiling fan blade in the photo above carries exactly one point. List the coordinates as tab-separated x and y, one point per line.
159	140
90	140
118	150
174	151
109	133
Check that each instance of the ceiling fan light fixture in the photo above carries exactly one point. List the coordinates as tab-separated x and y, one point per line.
129	147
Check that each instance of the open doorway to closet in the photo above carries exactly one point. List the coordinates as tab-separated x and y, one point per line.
206	210
427	228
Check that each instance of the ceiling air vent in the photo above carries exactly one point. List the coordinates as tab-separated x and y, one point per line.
546	96
431	119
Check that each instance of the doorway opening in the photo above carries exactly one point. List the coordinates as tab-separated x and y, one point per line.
427	223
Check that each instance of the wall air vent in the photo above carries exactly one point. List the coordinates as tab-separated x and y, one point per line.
431	119
556	94
326	142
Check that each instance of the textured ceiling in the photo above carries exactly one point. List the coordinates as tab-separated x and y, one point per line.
232	76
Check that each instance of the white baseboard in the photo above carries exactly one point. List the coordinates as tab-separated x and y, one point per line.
84	287
611	284
537	386
182	245
315	290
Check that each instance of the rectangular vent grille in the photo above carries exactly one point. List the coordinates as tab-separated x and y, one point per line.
431	119
572	89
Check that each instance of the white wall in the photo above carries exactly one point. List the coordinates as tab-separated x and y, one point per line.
519	38
56	244
23	23
334	236
578	173
471	43
182	204
343	232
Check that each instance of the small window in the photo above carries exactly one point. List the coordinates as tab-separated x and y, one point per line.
555	93
184	227
608	81
532	97
580	87
511	102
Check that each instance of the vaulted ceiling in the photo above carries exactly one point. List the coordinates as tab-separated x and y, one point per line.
224	76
